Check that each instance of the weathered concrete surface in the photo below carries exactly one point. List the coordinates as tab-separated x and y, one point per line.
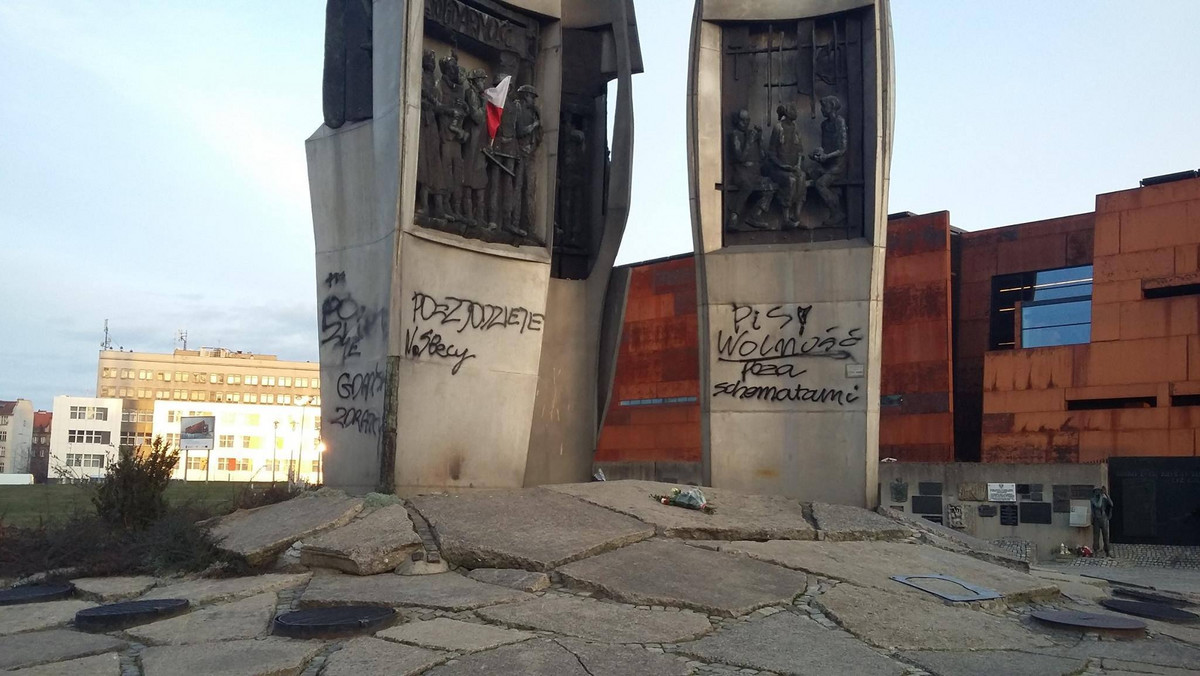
896	621
523	580
205	591
364	655
843	522
564	658
738	516
447	634
786	643
666	573
1123	668
446	591
53	645
112	589
1158	652
259	534
872	563
1075	587
273	656
371	544
35	616
598	621
248	618
108	664
477	530
954	540
993	662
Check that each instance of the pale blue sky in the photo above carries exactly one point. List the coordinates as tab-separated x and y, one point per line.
152	162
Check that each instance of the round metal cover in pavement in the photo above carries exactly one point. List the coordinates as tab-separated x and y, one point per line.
35	593
1154	611
128	613
1072	619
333	622
1152	597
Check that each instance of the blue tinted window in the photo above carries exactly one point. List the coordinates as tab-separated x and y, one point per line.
1057	335
1063	283
1056	314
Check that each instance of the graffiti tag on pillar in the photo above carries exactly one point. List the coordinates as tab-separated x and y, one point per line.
345	322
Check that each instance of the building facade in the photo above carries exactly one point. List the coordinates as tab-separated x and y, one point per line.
251	442
207	375
39	459
16	436
84	440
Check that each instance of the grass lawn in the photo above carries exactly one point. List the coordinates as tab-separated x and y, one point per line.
30	505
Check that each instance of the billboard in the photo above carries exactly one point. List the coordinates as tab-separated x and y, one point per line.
196	432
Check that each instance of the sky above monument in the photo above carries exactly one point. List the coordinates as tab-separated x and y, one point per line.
152	167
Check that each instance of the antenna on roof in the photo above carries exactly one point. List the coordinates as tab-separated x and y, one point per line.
107	344
181	337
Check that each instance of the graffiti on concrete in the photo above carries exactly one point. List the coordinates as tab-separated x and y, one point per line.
441	326
345	322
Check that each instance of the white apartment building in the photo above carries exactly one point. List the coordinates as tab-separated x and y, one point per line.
84	437
16	436
253	442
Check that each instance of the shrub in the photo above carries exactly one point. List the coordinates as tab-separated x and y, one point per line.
132	495
251	497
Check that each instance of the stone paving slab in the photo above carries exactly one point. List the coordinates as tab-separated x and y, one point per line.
662	572
108	664
523	580
955	540
113	589
895	621
477	530
786	643
274	656
1159	652
843	522
364	656
248	618
259	534
53	645
1123	668
370	544
599	621
563	658
204	591
994	662
35	616
738	516
446	634
872	564
446	591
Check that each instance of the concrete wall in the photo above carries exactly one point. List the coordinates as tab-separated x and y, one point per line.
1064	404
808	429
61	446
965	485
17	447
916	414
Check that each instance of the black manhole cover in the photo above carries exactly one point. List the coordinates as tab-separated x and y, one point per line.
35	593
1114	624
128	614
1154	611
333	622
1152	597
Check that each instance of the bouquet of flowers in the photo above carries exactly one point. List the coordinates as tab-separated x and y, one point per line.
692	498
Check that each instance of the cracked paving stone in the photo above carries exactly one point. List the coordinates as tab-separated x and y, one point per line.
54	645
365	655
992	662
247	618
205	591
672	573
446	591
371	544
522	580
599	621
260	534
843	522
230	658
108	664
447	634
112	589
545	657
35	616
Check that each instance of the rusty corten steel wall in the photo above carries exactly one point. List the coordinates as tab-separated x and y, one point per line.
916	421
658	358
1144	351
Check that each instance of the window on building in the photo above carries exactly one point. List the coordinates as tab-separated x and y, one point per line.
1055	308
199	377
172	416
216	378
89	437
268	398
233	379
317	423
316	466
285	381
173	439
285	398
197	462
145	416
225	441
127	438
85	460
302	382
181	376
268	381
3	435
234	464
198	395
251	442
250	398
316	382
251	380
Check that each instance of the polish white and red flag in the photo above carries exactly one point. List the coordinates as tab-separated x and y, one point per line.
495	97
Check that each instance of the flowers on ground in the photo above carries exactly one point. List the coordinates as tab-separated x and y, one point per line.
692	498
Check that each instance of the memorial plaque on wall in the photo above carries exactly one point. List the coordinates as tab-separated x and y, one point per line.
927	504
1035	512
1062	498
1002	492
1022	489
929	487
987	511
1008	515
935	518
794	119
1081	492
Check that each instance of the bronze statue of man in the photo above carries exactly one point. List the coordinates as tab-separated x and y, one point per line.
829	161
745	156
529	138
785	154
502	169
475	179
571	219
450	117
429	185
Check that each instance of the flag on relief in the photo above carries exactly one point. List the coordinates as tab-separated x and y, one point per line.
495	97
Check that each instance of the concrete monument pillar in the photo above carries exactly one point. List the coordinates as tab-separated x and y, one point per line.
789	143
436	226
